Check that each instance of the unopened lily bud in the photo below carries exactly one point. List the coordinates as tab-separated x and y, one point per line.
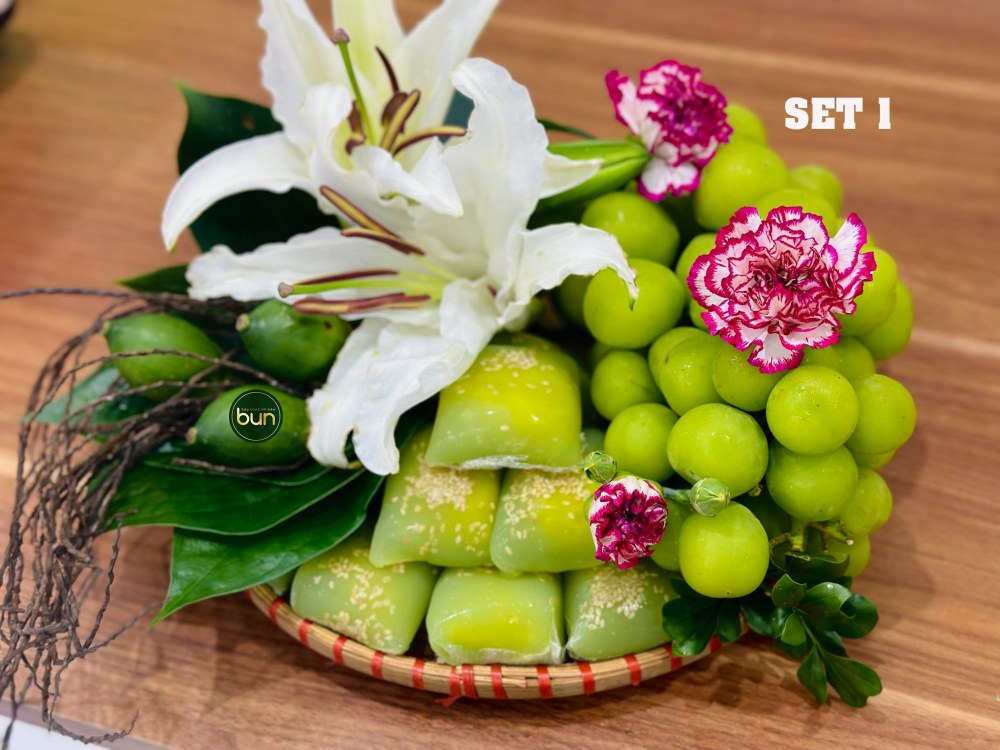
620	161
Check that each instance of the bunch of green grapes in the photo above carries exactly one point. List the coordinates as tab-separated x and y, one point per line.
798	449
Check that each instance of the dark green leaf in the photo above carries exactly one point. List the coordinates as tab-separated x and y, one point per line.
859	616
793	631
814	568
207	565
826	596
829	641
796	652
690	623
757	609
727	621
854	682
682	588
100	382
223	504
248	220
558	127
459	110
169	279
294	478
778	620
787	592
812	676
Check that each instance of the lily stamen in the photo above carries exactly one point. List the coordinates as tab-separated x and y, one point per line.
352	211
341	38
386	239
397	117
315	306
389	70
443	131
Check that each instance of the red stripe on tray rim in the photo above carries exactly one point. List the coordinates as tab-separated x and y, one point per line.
338	649
417	674
714	645
588	677
544	682
676	662
496	675
469	680
634	669
304	632
272	611
377	658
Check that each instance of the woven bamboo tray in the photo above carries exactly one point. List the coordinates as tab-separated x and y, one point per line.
495	681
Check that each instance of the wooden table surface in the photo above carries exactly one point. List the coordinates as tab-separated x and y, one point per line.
89	119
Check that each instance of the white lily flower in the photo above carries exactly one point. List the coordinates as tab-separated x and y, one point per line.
444	285
350	120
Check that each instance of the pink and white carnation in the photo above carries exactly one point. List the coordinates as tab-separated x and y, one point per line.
678	117
777	284
627	518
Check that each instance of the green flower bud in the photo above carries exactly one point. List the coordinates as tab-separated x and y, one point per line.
708	496
600	467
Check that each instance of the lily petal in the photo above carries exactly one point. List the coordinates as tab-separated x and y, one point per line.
299	55
373	24
435	46
429	183
562	174
384	370
552	253
267	162
256	275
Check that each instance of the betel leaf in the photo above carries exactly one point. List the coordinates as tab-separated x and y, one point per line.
247	220
787	592
854	682
168	279
222	504
294	478
208	565
757	609
690	623
100	382
812	676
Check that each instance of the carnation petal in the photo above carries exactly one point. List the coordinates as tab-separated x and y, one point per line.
659	178
773	356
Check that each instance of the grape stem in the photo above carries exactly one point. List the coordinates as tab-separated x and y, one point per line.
833	530
797	535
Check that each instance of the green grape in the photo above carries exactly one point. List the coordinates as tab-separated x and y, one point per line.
694	311
665	553
569	298
718	441
740	383
855	359
857	552
620	380
811	488
746	125
659	352
807	200
892	335
659	306
849	357
812	410
637	439
772	516
819	180
686	378
681	210
726	555
642	228
739	173
700	244
872	460
597	352
877	299
886	416
869	507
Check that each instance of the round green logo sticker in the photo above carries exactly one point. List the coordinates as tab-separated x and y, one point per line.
255	416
